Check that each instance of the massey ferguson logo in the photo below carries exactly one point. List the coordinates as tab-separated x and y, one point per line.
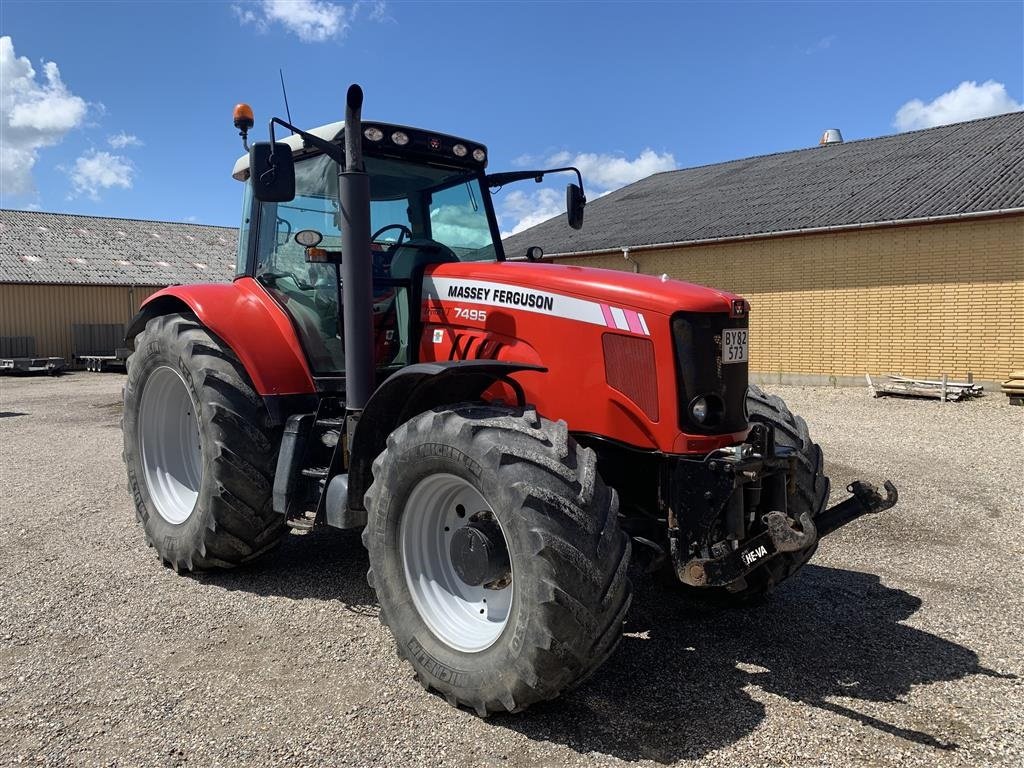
754	555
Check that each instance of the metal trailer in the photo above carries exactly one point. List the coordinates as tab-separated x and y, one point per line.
48	365
100	363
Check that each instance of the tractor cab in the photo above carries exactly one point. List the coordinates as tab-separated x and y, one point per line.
429	204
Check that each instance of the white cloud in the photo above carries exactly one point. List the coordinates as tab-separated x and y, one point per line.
33	115
526	209
122	140
607	172
968	101
376	9
822	45
602	173
95	171
313	21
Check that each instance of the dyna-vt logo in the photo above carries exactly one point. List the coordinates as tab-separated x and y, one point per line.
754	555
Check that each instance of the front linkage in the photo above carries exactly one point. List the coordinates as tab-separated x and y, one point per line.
714	505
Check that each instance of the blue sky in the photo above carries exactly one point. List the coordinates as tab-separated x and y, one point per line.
134	119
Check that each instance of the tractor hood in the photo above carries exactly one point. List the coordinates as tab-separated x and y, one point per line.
644	292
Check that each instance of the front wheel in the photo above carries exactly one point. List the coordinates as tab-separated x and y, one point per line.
810	493
199	448
496	554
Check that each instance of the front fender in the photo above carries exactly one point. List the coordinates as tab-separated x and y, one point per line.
415	389
248	321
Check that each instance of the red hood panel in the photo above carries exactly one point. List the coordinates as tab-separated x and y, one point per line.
618	287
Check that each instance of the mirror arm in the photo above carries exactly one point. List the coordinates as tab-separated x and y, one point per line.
496	180
329	149
572	169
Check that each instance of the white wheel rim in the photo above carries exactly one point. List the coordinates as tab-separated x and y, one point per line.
169	445
464	617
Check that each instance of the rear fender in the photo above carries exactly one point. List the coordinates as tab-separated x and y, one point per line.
248	321
413	390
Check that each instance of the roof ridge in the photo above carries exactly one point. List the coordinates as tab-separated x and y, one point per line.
114	218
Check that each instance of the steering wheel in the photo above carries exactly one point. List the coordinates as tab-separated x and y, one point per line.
288	229
404	232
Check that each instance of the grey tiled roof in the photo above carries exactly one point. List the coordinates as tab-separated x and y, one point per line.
64	248
954	169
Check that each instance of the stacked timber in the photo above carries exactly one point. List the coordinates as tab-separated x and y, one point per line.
937	389
1014	387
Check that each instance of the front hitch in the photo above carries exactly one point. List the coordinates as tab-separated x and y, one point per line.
782	535
864	500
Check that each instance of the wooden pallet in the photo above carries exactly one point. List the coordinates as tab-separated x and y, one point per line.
903	386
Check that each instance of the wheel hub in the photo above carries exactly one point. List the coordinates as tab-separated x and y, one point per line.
479	554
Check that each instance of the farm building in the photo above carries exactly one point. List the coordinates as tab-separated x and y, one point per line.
69	284
897	254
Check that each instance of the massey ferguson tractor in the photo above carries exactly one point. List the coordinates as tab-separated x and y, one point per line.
507	434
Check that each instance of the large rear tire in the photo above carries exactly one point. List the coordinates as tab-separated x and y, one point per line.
199	448
504	646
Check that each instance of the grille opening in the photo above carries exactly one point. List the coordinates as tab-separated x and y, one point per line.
629	368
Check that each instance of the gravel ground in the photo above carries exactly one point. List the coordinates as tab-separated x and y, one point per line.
900	645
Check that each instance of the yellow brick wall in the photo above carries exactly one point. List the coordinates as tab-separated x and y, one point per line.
47	312
918	300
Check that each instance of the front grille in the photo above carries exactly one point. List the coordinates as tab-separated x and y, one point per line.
700	372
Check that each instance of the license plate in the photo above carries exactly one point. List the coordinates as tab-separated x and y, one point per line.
734	345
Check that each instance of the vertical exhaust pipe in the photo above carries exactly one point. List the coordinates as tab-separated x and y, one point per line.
356	265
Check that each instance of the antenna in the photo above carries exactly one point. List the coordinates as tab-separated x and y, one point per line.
284	92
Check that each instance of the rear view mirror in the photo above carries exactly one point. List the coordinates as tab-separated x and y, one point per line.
272	170
574	204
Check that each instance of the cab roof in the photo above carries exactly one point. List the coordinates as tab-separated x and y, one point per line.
430	146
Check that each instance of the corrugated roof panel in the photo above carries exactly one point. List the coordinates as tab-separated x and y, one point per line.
962	168
63	248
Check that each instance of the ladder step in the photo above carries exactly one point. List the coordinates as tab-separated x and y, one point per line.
330	421
319	472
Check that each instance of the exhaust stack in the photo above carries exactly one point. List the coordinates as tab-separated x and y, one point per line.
356	267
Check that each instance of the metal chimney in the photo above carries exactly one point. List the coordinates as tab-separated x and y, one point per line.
831	136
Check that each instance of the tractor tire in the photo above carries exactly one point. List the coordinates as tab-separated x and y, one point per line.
560	615
199	448
812	489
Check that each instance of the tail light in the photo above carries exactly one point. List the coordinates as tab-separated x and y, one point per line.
629	368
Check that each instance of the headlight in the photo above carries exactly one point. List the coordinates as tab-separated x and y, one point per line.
401	139
373	134
699	410
479	155
460	150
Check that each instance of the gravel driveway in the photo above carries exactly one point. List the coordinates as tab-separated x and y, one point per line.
900	645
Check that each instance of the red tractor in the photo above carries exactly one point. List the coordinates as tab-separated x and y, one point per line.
508	435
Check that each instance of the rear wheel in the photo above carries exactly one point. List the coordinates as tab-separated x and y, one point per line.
199	448
496	555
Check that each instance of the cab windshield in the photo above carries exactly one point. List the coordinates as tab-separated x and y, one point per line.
413	206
